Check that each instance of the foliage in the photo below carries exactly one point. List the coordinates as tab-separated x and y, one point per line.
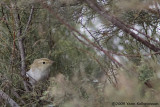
85	72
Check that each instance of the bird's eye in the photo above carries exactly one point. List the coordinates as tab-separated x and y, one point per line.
43	62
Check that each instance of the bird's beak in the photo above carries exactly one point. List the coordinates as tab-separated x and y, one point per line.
52	61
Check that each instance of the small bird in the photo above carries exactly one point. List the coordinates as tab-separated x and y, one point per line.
39	70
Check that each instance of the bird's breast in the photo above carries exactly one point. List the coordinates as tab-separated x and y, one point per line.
38	74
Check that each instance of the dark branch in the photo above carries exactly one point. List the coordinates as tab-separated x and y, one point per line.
100	10
8	99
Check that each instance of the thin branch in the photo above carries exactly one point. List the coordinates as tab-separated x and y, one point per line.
20	44
5	21
91	34
147	36
102	67
29	20
72	29
8	99
100	10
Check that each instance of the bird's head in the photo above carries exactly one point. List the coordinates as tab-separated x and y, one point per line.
42	64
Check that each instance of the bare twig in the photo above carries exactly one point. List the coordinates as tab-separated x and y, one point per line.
29	20
8	99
